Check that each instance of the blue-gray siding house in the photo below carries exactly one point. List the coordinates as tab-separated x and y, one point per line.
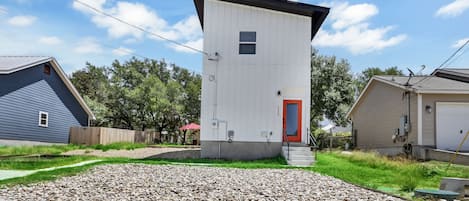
37	101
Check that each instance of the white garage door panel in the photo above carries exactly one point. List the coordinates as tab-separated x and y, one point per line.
451	119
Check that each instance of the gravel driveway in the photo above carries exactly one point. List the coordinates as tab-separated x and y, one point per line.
156	182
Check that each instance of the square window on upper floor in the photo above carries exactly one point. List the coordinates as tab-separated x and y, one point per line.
247	42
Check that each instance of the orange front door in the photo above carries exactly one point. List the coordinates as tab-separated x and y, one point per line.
292	120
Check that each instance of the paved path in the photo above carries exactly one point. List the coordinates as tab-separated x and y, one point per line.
149	152
9	174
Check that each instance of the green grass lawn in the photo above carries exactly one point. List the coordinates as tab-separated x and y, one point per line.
34	163
32	150
58	149
277	162
396	175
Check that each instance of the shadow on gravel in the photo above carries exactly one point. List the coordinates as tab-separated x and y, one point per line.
184	154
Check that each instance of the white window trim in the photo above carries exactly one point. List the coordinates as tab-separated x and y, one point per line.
47	119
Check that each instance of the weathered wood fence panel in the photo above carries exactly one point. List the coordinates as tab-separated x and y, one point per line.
99	135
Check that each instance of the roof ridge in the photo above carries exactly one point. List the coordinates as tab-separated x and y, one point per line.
22	56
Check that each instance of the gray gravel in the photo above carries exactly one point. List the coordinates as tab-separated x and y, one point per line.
156	182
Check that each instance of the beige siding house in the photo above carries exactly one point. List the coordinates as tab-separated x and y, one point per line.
424	112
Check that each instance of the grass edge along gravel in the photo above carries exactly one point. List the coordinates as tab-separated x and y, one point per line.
398	175
8	151
274	163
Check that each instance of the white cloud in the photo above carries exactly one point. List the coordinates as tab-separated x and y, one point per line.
345	15
94	3
122	51
453	9
460	43
50	40
3	10
350	29
22	20
88	46
187	30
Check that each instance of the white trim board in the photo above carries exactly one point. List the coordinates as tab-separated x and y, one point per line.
419	120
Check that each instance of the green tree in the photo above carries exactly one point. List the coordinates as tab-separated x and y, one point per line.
331	89
368	73
141	94
92	83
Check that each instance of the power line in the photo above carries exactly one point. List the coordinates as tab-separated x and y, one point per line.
446	61
125	51
139	28
129	52
454	54
459	56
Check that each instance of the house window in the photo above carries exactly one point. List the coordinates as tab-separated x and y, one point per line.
247	42
43	119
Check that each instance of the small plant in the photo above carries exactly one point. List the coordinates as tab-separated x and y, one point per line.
408	183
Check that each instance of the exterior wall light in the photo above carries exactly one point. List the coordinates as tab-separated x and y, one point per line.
428	108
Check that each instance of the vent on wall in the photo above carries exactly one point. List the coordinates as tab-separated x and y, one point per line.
47	69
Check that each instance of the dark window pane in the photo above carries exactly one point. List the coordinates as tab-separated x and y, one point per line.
247	36
247	48
292	119
43	122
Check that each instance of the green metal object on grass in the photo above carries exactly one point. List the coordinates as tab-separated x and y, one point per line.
436	194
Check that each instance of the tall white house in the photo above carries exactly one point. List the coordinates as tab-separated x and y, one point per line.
256	88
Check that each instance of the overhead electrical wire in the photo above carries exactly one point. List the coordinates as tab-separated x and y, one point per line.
125	51
454	54
140	28
446	61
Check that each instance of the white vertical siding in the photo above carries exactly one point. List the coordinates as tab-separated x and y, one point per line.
248	84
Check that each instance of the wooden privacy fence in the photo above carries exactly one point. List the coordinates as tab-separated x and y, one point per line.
100	135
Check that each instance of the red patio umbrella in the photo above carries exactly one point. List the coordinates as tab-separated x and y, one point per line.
191	126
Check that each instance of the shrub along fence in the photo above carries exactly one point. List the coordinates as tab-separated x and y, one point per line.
100	135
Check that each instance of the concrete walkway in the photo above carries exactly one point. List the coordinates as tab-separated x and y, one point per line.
10	174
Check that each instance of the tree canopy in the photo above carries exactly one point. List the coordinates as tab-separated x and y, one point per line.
368	73
140	94
331	89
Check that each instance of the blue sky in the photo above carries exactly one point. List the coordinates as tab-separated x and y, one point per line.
381	33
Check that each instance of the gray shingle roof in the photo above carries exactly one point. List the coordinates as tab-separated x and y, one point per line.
10	64
427	83
457	70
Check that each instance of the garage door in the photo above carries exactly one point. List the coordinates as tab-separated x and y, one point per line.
452	124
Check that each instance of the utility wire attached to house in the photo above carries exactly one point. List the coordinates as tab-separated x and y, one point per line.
125	51
140	28
446	61
454	54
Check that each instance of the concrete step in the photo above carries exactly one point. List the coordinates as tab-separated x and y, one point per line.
300	163
285	148
301	157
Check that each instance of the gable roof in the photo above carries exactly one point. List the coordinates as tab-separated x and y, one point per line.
317	13
12	64
459	74
461	71
419	85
